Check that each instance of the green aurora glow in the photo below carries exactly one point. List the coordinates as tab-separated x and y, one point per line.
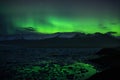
55	24
59	16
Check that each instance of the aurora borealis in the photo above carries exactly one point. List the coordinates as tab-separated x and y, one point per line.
52	16
59	39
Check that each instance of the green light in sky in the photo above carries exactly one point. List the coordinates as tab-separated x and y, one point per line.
54	24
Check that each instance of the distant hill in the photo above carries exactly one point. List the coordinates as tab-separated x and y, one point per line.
39	36
62	40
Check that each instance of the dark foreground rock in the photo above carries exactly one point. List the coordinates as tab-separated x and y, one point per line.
110	61
109	74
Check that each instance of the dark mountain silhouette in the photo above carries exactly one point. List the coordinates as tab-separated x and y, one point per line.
55	40
30	32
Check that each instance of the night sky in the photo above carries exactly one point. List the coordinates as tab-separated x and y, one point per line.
52	16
